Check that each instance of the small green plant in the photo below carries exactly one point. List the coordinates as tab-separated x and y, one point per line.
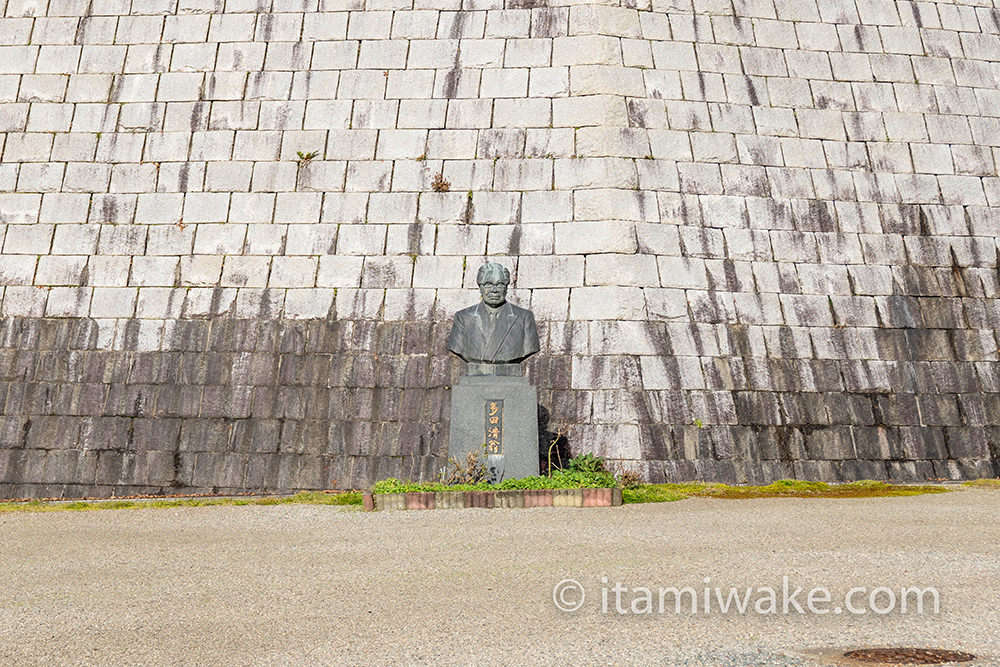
699	423
304	158
629	479
586	463
439	184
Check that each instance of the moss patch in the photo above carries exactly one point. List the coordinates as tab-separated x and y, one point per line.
303	498
984	484
786	488
651	493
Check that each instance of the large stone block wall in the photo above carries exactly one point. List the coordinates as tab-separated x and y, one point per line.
760	236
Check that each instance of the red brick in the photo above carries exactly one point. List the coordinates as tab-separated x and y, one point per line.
413	500
538	498
596	497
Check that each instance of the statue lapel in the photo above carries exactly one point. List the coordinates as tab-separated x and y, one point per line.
478	315
507	320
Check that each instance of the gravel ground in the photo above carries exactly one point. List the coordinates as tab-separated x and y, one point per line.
323	585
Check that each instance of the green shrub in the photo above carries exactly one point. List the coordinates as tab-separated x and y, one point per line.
586	463
561	479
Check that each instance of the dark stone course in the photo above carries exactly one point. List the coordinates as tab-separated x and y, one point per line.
967	443
877	443
922	443
835	443
200	435
863	469
236	405
160	468
231	402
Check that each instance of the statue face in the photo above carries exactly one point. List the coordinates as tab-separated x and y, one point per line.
494	291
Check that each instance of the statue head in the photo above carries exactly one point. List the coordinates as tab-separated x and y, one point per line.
493	280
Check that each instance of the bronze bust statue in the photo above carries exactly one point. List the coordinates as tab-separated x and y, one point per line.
494	331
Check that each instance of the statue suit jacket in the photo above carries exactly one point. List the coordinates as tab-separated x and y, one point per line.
513	339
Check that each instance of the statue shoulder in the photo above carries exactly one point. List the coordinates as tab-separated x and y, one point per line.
522	312
518	310
466	312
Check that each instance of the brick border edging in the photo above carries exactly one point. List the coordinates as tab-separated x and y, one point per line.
430	500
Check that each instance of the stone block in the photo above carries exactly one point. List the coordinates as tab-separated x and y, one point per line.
607	303
595	172
396	207
581	238
495	207
548	82
600	110
32	239
18	270
550	271
606	79
522	175
438	271
630	270
528	53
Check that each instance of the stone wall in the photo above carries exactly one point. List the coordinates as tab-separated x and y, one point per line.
760	236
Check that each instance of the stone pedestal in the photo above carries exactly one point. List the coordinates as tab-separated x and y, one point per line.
500	411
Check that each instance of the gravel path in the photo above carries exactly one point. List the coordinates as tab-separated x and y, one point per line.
323	585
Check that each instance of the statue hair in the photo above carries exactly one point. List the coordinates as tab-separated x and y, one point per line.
490	268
